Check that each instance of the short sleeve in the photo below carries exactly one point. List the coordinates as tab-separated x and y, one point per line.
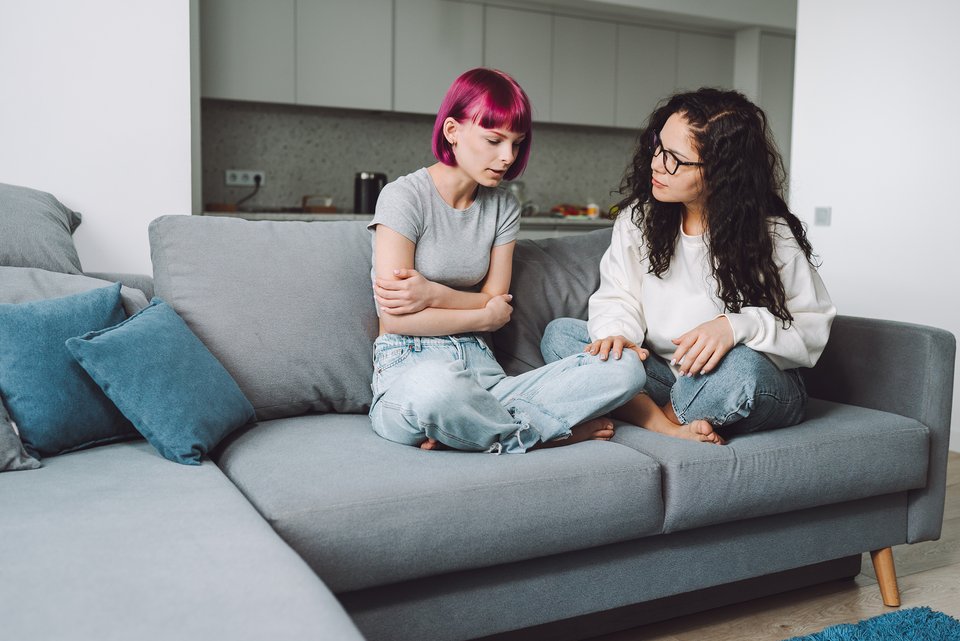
399	209
508	220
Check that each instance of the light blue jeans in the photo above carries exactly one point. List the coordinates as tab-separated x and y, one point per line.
745	393
452	389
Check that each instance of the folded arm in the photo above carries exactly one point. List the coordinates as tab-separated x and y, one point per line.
413	305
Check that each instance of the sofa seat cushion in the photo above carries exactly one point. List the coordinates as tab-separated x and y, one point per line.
116	543
833	456
364	511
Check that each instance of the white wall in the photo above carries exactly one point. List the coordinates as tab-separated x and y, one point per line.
95	108
876	137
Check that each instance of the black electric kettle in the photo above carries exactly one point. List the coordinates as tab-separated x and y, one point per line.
366	188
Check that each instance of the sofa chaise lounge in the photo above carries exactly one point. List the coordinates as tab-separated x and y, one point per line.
306	525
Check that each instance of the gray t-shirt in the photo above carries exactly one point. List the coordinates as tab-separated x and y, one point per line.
453	245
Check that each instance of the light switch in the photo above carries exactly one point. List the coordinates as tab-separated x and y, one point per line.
822	216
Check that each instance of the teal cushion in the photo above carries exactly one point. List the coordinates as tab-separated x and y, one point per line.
165	381
56	406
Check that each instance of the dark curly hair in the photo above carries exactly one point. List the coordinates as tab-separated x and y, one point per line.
744	178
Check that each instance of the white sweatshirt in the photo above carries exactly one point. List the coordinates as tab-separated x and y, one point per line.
641	307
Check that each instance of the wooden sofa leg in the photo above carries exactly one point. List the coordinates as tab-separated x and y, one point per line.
886	576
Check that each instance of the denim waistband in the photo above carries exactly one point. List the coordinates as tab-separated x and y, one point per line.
416	343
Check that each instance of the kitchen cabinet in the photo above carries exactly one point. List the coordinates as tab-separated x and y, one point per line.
434	42
343	53
520	43
704	61
584	70
247	50
402	55
646	72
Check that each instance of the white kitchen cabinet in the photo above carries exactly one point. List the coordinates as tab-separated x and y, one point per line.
520	43
344	52
646	71
402	55
704	61
247	50
584	71
434	42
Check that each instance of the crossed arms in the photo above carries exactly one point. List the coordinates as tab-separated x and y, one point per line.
411	304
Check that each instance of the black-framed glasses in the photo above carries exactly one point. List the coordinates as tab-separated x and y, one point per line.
671	163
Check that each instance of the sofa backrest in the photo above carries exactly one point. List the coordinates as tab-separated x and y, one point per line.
288	308
552	278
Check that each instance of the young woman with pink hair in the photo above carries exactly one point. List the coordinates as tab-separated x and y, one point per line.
443	240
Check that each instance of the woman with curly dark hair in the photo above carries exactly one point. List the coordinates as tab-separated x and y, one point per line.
708	278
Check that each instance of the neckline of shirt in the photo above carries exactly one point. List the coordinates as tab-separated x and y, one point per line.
699	239
473	207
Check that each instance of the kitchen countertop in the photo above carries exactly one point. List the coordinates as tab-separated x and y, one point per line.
527	222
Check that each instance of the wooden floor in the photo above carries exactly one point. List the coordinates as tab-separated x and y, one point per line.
928	573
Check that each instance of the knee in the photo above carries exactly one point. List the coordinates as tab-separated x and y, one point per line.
738	375
743	367
744	358
626	374
632	372
563	327
563	337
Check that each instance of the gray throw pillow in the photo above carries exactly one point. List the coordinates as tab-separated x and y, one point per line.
12	455
36	230
552	278
25	284
286	307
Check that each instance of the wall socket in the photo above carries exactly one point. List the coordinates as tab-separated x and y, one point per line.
244	177
822	216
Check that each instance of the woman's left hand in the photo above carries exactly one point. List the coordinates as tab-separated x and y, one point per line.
408	293
701	349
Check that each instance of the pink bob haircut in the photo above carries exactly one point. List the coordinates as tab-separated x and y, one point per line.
491	99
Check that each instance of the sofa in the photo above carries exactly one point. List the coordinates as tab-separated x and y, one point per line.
303	524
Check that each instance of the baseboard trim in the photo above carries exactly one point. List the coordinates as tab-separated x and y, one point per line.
955	439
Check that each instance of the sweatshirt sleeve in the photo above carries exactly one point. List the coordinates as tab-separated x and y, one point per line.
615	308
801	343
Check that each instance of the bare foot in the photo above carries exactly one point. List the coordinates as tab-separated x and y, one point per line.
432	444
643	411
597	429
701	430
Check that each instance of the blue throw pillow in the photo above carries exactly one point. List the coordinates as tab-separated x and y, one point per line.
54	403
173	390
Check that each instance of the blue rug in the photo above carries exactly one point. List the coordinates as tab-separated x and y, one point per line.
915	624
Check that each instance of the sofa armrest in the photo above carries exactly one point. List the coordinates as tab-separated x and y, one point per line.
900	368
137	281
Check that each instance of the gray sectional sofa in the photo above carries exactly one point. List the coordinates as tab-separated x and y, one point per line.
306	525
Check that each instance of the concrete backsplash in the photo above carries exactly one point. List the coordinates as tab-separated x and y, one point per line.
312	150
